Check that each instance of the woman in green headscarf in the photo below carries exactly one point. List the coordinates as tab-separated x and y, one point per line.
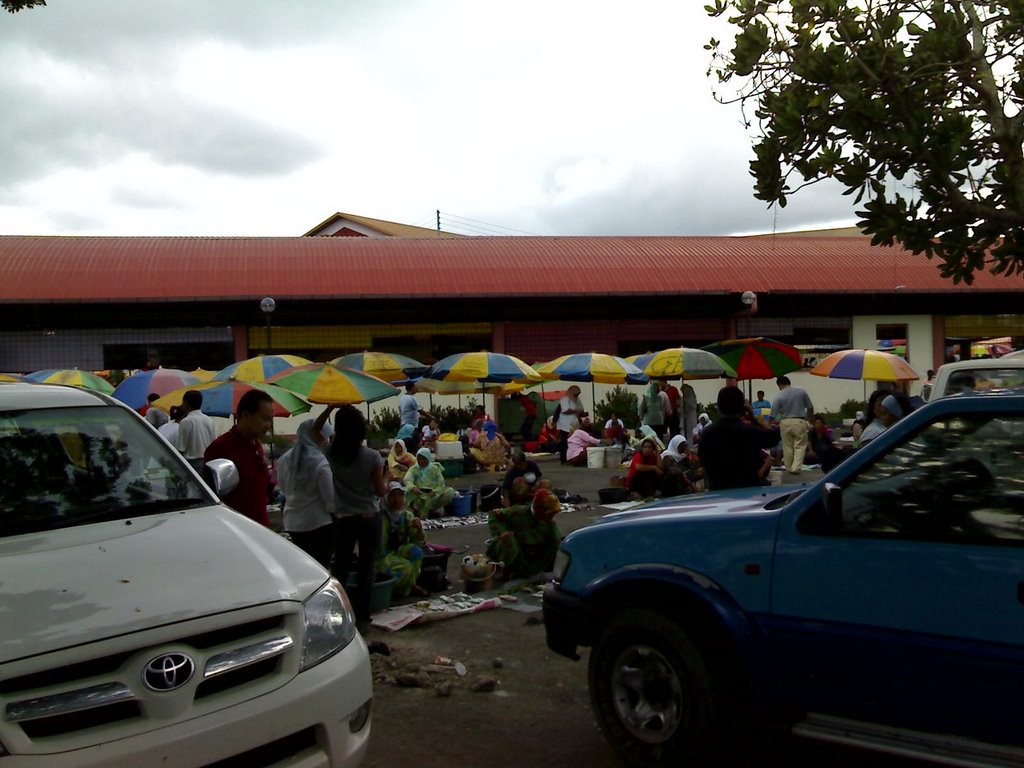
654	406
525	536
426	491
401	542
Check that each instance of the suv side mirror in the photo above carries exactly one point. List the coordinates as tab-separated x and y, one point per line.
832	499
221	475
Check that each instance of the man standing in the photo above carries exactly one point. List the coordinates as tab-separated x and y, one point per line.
761	404
196	430
409	410
154	416
243	445
570	409
731	448
792	409
688	414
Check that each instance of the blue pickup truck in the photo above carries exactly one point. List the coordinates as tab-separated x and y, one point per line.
881	607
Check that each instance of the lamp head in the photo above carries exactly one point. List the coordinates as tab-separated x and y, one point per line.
748	297
268	305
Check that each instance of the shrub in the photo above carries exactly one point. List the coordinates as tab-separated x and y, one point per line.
451	419
385	424
621	402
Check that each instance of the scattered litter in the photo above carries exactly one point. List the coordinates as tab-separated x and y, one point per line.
509	598
409	680
443	660
443	689
498	662
460	669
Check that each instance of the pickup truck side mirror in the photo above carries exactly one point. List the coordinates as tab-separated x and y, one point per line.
832	499
221	475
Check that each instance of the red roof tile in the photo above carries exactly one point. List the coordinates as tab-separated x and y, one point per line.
167	268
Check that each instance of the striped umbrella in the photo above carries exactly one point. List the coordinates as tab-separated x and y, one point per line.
259	368
866	364
483	367
326	383
10	377
592	366
758	358
220	398
203	375
73	377
683	363
384	365
135	390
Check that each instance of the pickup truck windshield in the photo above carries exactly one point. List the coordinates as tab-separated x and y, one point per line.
73	466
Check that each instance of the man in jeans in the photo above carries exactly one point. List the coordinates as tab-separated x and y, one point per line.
791	409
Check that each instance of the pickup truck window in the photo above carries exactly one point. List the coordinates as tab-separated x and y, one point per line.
72	466
979	379
958	479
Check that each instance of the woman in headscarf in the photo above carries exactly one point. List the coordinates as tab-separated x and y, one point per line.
653	407
426	491
399	461
675	461
304	476
491	448
401	542
525	536
887	410
702	421
645	470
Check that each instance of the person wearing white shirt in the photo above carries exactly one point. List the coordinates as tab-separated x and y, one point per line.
170	429
196	430
570	409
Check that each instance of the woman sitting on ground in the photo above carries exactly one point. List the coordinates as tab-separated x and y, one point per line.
426	492
549	438
579	440
491	448
645	470
525	536
399	461
401	542
675	461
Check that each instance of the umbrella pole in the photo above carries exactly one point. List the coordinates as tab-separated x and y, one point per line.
593	400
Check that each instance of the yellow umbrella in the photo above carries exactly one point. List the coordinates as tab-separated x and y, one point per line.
325	383
203	375
259	368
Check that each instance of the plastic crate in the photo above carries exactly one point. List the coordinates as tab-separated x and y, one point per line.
452	467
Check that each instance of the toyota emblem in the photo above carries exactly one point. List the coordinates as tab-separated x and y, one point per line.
168	672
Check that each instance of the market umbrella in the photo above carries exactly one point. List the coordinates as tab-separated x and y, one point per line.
758	358
220	398
592	367
483	368
73	377
866	364
135	390
10	377
683	363
326	383
384	365
203	375
259	368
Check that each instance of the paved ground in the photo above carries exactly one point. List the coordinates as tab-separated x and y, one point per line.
538	714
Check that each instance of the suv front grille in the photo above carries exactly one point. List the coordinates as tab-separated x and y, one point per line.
229	663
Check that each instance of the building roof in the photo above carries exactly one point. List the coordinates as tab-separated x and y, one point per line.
335	223
131	269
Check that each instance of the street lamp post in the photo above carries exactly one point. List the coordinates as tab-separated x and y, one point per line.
268	305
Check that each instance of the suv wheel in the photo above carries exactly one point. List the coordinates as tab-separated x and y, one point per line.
651	690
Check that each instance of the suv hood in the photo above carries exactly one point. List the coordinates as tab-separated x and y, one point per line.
78	585
718	503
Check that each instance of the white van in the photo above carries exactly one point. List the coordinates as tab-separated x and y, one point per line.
975	376
143	623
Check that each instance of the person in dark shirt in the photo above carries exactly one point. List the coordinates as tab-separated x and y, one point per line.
730	449
526	469
254	416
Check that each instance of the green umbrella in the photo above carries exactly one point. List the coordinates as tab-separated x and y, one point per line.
325	383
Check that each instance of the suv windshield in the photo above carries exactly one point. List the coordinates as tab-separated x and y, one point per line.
72	466
978	379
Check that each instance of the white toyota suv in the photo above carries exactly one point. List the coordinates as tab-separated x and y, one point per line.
143	623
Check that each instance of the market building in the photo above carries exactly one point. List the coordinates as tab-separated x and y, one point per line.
127	302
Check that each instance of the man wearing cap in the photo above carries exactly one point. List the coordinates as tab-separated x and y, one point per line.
792	409
570	409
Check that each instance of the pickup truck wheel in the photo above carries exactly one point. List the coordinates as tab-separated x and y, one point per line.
651	690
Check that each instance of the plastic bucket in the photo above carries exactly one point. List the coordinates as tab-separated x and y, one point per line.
613	456
463	506
490	497
595	457
380	595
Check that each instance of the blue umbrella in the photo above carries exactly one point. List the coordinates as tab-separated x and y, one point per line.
136	389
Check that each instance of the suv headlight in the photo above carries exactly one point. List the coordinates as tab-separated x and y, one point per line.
330	625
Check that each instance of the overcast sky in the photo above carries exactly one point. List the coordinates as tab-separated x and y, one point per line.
262	117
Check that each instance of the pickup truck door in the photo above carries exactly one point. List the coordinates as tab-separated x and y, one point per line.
906	607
